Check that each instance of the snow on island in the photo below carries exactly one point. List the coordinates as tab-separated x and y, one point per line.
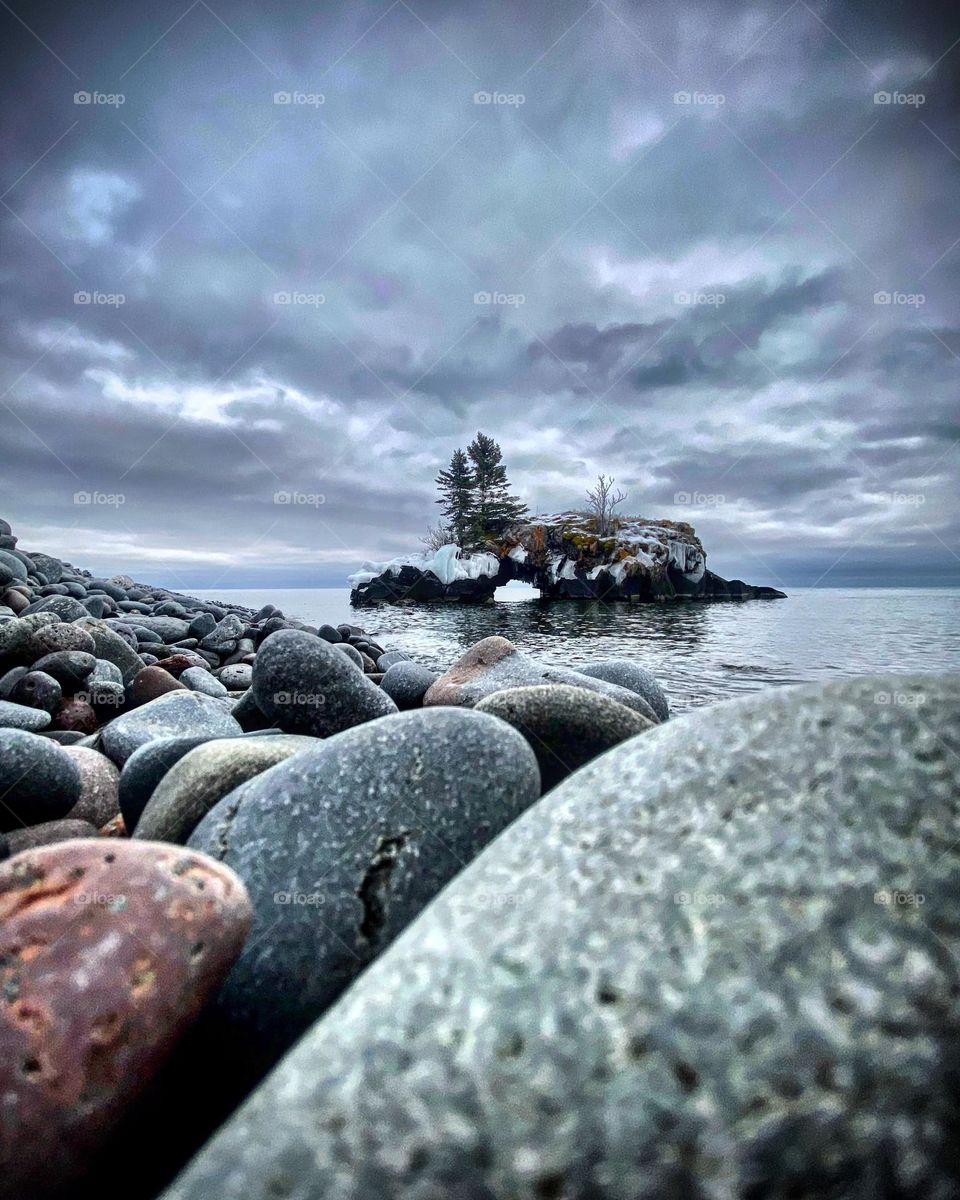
562	555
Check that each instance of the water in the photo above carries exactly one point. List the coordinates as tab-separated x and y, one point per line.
700	652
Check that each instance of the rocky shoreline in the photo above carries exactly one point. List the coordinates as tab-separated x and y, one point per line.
661	958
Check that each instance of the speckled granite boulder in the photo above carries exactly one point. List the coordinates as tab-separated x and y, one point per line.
493	664
108	950
631	675
340	847
307	685
177	714
99	786
565	726
719	961
22	716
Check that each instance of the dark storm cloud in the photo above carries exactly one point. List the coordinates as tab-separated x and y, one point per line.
682	244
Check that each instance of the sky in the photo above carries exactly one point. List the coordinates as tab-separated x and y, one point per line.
266	267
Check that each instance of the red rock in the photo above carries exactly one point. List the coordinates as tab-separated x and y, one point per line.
176	664
108	951
76	715
115	827
469	666
152	682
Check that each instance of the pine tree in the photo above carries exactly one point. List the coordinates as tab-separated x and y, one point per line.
493	505
456	497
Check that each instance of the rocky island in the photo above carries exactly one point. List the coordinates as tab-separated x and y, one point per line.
565	557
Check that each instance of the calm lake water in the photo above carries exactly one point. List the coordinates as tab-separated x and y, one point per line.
700	652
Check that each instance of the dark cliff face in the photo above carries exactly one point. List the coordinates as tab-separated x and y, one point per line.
565	558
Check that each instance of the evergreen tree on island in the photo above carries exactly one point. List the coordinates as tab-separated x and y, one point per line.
494	507
456	498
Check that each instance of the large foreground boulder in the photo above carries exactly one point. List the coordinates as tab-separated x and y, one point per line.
342	846
719	961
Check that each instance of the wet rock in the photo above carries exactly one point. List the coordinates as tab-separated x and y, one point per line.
99	786
494	664
144	769
565	726
38	779
151	683
719	960
634	677
179	714
75	715
62	636
36	689
109	949
192	786
19	716
351	653
237	677
387	659
47	833
342	846
306	685
112	647
69	668
406	683
199	679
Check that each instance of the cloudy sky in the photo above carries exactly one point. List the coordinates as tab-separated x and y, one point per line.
265	267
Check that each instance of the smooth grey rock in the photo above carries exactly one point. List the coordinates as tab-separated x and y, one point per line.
9	680
341	846
351	653
112	647
70	668
565	726
14	565
493	664
65	607
719	961
47	833
38	779
105	672
387	659
177	714
198	679
146	767
167	629
406	683
16	636
635	678
329	634
99	786
204	775
237	677
22	716
306	685
37	689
